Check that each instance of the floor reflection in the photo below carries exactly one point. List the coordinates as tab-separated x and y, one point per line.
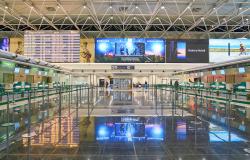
130	137
62	132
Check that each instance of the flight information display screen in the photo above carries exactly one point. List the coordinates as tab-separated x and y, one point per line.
130	50
53	46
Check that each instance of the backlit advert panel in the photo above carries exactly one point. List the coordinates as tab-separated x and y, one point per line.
187	51
130	50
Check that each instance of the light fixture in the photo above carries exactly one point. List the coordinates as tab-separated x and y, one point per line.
88	17
240	8
202	18
247	19
110	6
162	7
157	18
58	6
136	7
84	6
214	8
179	18
134	17
66	17
6	7
111	17
188	7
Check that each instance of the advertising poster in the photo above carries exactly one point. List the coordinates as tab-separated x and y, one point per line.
17	45
228	49
4	44
130	50
87	50
187	51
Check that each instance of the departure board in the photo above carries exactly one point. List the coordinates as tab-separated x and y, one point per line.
53	46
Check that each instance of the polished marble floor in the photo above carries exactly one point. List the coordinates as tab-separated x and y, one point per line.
130	125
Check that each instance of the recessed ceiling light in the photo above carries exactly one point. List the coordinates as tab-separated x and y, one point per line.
84	6
240	8
136	7
110	7
157	17
162	7
111	17
214	8
6	7
134	17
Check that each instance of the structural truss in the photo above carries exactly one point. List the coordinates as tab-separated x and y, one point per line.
129	18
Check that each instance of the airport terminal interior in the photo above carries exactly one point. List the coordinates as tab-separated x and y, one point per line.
124	80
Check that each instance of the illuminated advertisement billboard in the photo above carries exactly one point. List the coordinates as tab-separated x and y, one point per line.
187	51
130	50
228	49
4	44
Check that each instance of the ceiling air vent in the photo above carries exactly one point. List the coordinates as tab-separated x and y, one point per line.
196	9
51	9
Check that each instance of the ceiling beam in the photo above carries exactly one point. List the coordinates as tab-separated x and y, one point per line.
38	12
206	15
66	13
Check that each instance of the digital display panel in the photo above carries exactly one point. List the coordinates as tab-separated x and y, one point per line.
213	72
128	129
222	71
228	49
130	50
187	51
39	73
4	44
242	70
17	70
26	71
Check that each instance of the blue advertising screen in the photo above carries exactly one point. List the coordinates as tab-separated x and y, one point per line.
4	44
228	49
130	50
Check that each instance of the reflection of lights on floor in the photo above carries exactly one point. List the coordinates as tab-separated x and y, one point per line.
247	150
157	131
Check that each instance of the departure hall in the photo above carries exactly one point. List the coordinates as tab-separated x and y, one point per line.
124	80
